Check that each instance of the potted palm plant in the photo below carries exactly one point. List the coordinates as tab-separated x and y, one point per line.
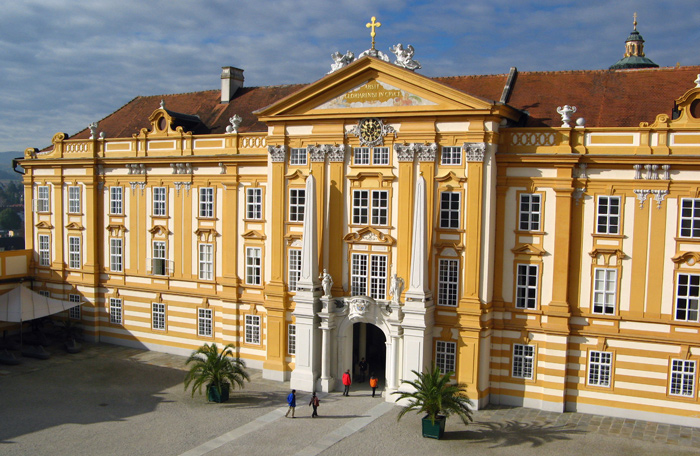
433	394
218	370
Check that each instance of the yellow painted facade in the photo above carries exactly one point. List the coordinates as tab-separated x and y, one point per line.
527	293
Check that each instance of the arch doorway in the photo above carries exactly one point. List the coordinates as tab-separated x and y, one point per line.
368	342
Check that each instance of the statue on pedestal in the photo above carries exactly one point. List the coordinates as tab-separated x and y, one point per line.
326	283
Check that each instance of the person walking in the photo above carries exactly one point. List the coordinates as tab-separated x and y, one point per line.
292	402
363	370
373	382
314	402
347	381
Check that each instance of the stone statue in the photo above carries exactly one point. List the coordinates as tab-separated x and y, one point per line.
235	123
404	57
93	130
341	60
326	283
396	289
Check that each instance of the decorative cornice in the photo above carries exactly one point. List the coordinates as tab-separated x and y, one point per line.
75	226
475	151
691	258
368	235
159	230
206	234
44	225
529	249
277	153
254	234
116	229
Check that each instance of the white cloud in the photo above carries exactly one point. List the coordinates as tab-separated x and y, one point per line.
65	64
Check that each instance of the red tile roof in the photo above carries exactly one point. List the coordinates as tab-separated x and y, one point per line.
610	98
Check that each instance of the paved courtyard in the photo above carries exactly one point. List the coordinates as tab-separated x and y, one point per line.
111	400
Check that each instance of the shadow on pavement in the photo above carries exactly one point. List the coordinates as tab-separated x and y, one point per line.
511	433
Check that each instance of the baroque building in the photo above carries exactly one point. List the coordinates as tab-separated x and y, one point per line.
466	221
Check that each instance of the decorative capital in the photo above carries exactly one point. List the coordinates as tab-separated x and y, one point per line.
336	153
318	152
405	152
475	151
426	152
277	153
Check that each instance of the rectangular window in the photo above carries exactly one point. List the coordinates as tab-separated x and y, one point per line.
294	268
252	329
206	202
206	261
160	206
158	315
687	297
253	203
115	255
451	155
449	209
44	293
74	200
448	281
44	250
158	266
115	201
297	201
604	291
253	263
292	339
523	361
682	378
526	286
42	200
204	320
445	356
375	276
74	252
360	207
380	155
361	155
608	218
74	312
599	368
297	156
529	214
690	217
115	311
380	207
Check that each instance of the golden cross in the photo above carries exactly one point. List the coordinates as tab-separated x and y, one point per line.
373	25
635	21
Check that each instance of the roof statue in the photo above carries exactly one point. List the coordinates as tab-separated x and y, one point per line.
634	52
404	57
341	61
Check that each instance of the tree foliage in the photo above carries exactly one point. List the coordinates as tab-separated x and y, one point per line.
10	220
211	367
434	395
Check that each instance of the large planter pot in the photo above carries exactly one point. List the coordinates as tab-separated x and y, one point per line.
433	431
213	393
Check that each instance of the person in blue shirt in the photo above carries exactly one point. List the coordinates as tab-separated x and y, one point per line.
292	402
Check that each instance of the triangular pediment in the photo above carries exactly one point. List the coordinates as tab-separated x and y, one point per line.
371	86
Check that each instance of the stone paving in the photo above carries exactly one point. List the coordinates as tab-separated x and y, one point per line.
347	423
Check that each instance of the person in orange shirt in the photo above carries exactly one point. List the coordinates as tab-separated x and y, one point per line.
373	382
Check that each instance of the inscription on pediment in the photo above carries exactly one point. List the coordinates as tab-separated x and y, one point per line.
375	94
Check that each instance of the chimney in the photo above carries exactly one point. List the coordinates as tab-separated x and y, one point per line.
231	81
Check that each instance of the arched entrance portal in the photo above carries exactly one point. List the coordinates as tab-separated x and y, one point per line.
368	342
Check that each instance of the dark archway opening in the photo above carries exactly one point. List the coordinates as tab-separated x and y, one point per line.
369	343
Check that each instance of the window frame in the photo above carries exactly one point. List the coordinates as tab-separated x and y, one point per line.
159	247
449	215
158	316
292	339
694	298
74	200
370	207
160	201
381	156
116	200
253	330
44	249
446	356
298	156
604	307
74	312
453	156
74	252
296	209
363	153
533	220
116	259
526	297
693	221
206	261
116	311
372	282
253	268
206	202
448	286
205	322
253	203
527	361
600	369
43	198
607	217
293	273
685	380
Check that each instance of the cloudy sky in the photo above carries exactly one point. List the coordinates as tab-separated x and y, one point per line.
66	63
